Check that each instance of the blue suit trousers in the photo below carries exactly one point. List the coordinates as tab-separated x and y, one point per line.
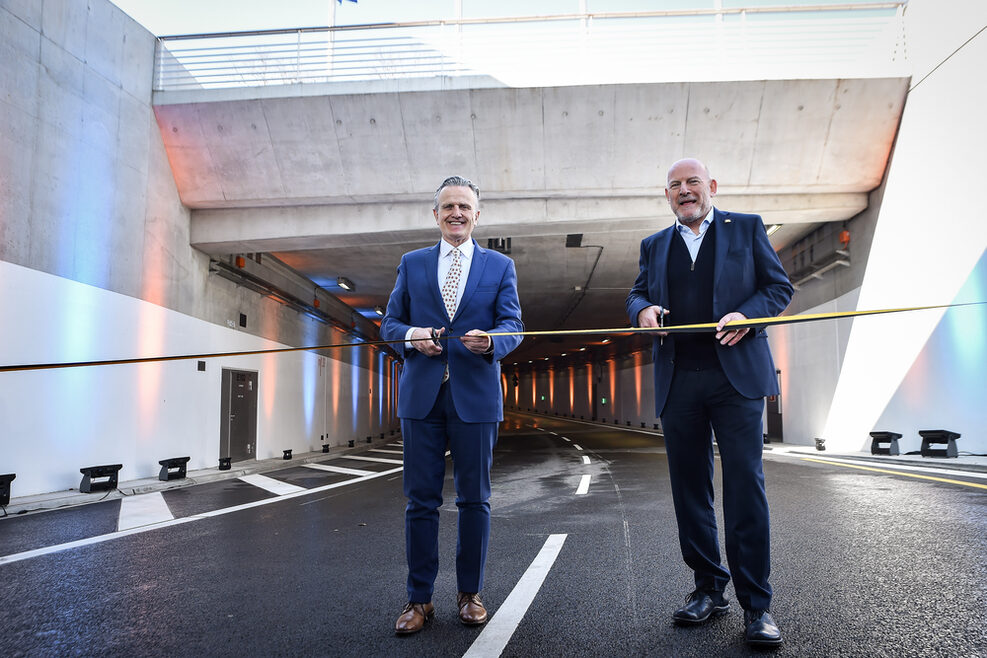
471	445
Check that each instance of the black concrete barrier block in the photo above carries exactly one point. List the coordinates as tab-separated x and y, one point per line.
5	481
878	439
173	468
931	437
108	471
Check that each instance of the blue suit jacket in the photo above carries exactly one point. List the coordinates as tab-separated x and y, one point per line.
489	303
747	277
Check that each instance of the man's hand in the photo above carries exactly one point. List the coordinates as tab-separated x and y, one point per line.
730	336
476	341
421	338
650	317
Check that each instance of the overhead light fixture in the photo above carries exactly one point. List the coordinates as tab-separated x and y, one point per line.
606	340
582	349
379	310
773	229
345	283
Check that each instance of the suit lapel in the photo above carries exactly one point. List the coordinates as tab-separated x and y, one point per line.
663	246
476	273
432	276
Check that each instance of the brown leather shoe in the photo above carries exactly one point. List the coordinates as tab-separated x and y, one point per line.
413	618
471	610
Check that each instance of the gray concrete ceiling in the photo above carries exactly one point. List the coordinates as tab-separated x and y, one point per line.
342	184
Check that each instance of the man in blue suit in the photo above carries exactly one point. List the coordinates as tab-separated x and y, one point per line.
714	266
450	393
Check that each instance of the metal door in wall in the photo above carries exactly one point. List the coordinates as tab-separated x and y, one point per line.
238	422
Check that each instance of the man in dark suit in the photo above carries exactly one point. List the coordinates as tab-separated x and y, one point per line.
450	393
714	266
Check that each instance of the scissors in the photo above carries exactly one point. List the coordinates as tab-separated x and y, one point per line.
435	337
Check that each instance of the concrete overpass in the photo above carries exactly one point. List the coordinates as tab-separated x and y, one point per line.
336	180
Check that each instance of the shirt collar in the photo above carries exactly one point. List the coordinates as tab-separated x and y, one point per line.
466	249
682	228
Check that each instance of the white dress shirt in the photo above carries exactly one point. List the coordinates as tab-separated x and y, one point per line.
445	262
693	241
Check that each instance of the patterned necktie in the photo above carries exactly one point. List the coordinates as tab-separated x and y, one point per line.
451	286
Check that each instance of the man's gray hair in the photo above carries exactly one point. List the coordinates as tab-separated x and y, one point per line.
455	181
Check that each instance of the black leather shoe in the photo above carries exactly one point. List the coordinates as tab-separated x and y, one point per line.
761	629
700	606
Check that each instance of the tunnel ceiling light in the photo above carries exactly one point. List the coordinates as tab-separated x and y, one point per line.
773	229
606	340
379	310
345	283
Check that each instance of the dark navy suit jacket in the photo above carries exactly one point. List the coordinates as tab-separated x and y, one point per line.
747	277
489	303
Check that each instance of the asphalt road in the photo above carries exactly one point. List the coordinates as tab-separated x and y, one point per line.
865	563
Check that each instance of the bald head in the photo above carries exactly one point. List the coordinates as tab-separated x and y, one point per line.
690	190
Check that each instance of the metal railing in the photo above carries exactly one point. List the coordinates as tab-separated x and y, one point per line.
858	39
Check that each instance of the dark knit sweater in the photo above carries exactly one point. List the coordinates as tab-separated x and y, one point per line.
690	300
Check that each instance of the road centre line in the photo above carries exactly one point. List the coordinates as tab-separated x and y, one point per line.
975	485
577	446
585	459
499	630
583	487
47	550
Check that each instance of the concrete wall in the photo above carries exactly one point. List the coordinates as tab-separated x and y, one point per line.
95	263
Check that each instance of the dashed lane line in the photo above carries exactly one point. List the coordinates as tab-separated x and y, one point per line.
585	459
389	452
583	487
499	630
577	446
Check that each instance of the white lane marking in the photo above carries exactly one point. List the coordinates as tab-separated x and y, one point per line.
395	445
270	484
583	487
143	509
379	460
564	438
878	464
539	429
47	550
577	446
388	452
550	432
498	631
585	459
337	469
